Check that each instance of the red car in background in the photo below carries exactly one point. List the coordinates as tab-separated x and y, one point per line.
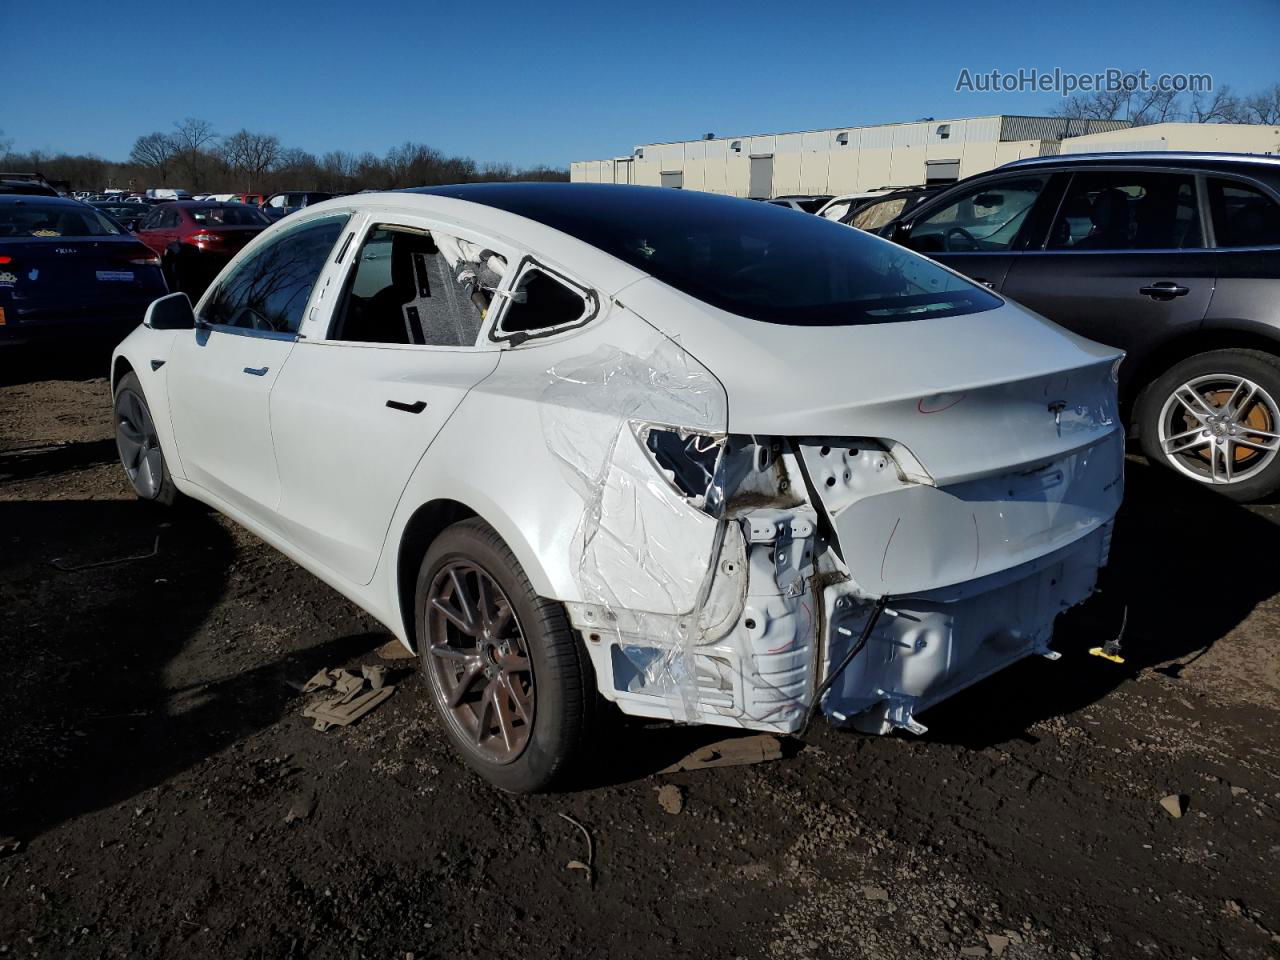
195	239
253	199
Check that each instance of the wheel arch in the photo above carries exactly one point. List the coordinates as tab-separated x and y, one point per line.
425	524
119	367
433	517
1241	335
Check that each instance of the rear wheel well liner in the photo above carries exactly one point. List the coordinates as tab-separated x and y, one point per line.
428	522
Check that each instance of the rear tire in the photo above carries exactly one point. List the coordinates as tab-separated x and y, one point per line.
509	678
139	445
1215	419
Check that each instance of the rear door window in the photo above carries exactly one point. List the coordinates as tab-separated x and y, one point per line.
418	287
1128	210
1243	216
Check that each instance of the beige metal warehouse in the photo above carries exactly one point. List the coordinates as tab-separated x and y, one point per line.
1207	137
840	159
850	159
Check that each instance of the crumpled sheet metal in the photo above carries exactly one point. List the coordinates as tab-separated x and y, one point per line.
642	553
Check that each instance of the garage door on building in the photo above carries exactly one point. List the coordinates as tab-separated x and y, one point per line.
941	171
673	178
761	183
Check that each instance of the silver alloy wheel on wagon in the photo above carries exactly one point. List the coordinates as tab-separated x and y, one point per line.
1220	428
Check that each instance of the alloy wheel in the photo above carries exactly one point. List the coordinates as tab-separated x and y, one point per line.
1220	428
138	444
477	659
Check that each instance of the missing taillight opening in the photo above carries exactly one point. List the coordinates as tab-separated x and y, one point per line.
689	461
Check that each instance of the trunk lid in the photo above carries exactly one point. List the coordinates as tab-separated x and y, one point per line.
68	279
969	396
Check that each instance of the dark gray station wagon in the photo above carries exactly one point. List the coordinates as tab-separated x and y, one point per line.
1174	257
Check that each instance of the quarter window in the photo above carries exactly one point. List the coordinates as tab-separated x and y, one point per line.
1243	216
1128	211
270	289
541	302
985	219
418	287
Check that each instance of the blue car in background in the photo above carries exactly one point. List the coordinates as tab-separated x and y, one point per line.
65	268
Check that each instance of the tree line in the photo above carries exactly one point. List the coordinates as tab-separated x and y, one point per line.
195	157
1222	105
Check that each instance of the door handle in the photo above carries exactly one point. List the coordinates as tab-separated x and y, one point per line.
256	371
417	407
1164	291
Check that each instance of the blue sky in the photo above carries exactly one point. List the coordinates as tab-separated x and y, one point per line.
528	83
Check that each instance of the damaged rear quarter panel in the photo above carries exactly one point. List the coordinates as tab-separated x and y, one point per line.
976	492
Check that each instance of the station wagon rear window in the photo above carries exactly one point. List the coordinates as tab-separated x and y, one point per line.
755	260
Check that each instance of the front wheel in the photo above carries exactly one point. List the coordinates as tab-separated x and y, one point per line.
1215	418
508	676
139	445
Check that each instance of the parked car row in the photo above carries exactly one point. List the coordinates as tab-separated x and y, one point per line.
275	205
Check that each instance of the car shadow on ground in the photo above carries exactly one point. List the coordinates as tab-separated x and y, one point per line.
85	360
29	461
94	710
1189	565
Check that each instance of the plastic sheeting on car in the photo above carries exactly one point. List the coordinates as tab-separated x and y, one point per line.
644	554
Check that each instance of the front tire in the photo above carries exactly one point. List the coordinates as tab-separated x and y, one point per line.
1215	418
139	445
508	677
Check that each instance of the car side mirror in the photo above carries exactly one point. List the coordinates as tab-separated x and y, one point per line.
171	313
901	232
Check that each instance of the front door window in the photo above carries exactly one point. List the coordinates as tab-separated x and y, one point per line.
269	290
985	219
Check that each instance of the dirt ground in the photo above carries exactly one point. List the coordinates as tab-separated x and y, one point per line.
152	747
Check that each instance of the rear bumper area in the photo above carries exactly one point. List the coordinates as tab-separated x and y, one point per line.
929	646
788	634
976	586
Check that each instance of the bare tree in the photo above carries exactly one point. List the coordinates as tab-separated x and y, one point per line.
190	139
154	151
1154	106
1220	106
6	144
1264	107
251	154
1137	106
1102	105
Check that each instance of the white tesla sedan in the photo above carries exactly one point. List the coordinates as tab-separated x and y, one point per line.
698	456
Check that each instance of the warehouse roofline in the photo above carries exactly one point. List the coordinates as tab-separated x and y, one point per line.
1119	124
